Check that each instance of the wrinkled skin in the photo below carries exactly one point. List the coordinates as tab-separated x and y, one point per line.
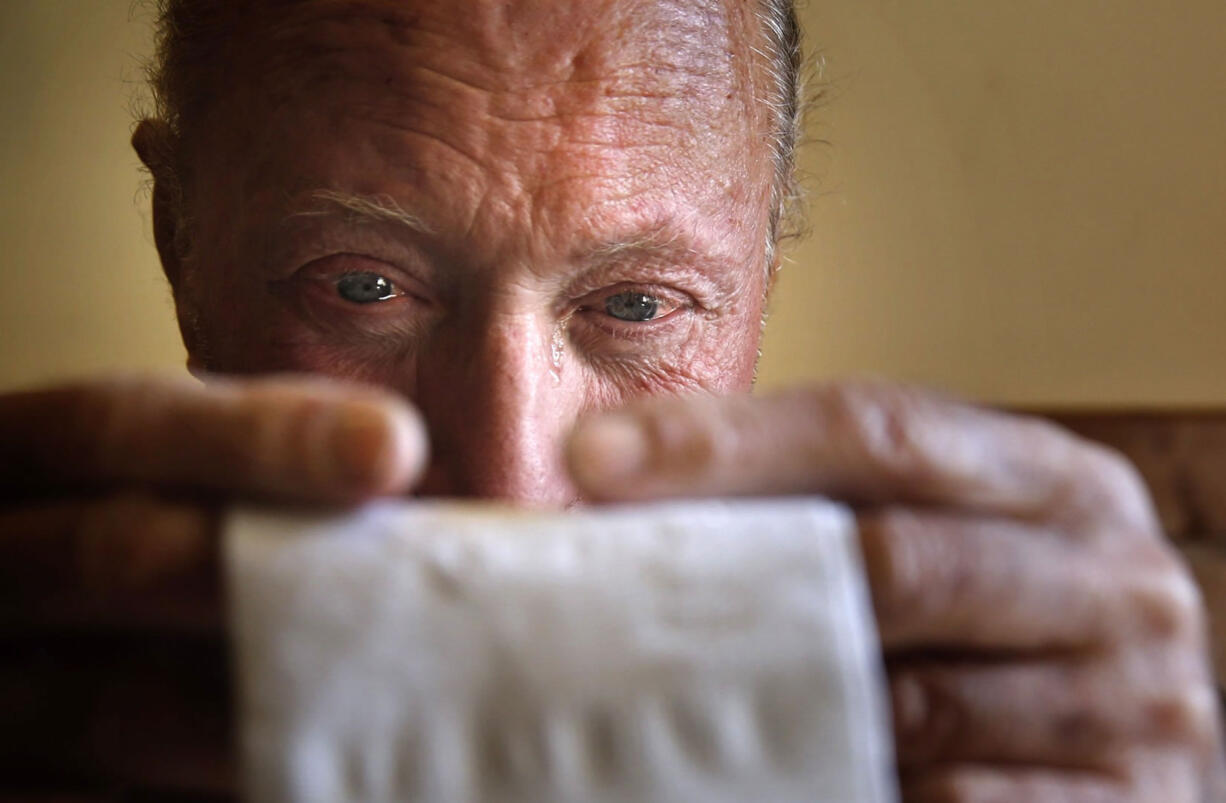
546	172
505	173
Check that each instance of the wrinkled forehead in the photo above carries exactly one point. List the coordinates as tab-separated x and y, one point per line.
565	105
521	43
536	129
525	51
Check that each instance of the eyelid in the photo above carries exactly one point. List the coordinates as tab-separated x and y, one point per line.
686	284
333	267
674	299
674	305
305	238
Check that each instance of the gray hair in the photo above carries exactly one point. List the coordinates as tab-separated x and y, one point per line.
191	38
785	60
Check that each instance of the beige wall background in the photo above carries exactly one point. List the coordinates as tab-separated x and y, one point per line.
1022	202
80	287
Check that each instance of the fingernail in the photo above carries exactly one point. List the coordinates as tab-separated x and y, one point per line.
376	448
611	448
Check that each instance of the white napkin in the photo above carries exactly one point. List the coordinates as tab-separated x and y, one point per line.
707	652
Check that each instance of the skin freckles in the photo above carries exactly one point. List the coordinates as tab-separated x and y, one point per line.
506	170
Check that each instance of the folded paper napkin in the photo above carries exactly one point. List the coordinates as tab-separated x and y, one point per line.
707	652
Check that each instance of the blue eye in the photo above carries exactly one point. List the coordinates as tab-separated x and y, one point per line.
632	307
365	288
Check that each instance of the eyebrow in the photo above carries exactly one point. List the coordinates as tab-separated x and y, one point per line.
661	240
664	240
358	209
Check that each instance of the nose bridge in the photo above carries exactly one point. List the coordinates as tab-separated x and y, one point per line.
502	411
512	375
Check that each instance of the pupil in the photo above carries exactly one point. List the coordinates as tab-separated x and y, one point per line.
635	307
364	288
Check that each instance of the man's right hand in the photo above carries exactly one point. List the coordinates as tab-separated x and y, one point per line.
110	603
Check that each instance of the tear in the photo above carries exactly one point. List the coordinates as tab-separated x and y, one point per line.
557	349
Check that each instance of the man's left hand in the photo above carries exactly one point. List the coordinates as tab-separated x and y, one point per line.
1042	639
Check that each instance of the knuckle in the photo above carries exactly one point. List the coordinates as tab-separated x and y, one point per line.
265	432
688	436
946	785
882	424
928	719
113	420
1117	485
1166	776
1166	601
95	409
268	435
128	541
1189	715
897	572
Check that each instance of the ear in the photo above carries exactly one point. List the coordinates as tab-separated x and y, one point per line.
153	142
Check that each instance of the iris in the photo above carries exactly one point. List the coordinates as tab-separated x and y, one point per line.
365	288
632	307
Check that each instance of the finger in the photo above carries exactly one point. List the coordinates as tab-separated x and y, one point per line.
1071	714
1143	776
963	582
129	560
977	784
863	443
299	439
1167	774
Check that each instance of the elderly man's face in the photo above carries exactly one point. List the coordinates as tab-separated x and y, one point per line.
512	213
